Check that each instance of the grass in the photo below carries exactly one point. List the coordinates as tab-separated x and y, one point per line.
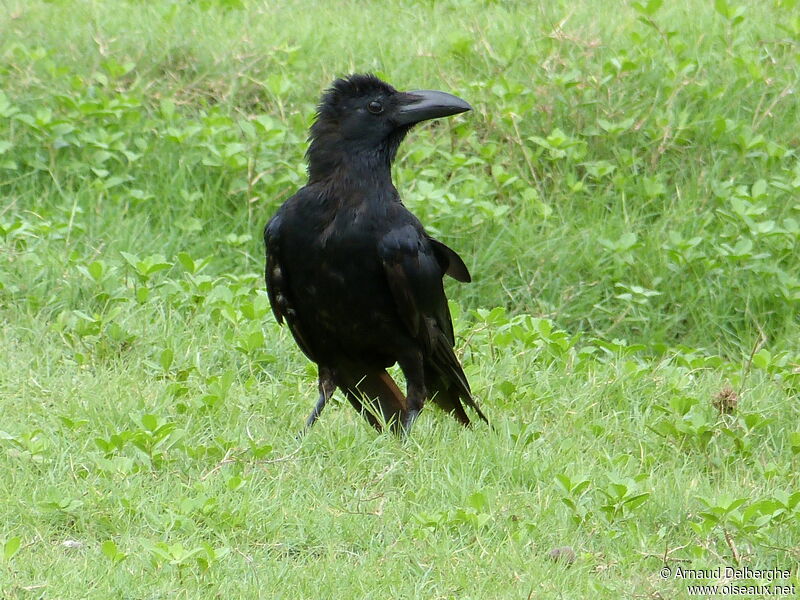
625	195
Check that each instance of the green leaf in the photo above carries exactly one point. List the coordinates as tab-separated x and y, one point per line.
627	240
564	482
157	266
109	548
762	359
11	547
165	359
633	501
759	189
234	483
96	270
131	259
794	441
648	9
150	422
478	501
167	108
187	262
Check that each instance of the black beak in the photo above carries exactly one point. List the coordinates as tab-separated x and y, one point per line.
421	105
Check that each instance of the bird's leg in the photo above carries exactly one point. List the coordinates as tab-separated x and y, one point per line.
326	389
412	367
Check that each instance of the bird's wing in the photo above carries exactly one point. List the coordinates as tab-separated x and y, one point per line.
414	272
450	261
414	264
278	291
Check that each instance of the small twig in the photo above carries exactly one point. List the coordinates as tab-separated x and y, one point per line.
527	159
617	321
661	556
736	556
11	205
226	460
386	470
665	557
795	551
756	347
247	430
368	513
711	550
230	457
757	120
249	559
280	459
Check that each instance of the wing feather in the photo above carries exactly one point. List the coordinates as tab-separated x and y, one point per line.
414	265
278	290
451	262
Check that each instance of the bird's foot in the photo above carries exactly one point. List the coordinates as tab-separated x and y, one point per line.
408	420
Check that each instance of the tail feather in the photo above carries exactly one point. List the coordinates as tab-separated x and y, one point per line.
376	396
452	382
378	389
447	399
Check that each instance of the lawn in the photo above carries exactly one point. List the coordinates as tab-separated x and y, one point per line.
626	194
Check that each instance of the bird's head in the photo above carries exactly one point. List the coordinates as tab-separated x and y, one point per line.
364	118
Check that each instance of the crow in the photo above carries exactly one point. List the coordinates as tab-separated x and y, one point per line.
352	271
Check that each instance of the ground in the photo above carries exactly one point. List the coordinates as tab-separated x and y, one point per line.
625	194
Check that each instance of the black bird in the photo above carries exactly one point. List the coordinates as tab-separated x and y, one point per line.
353	272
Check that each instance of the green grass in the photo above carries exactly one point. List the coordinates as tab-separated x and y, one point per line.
625	195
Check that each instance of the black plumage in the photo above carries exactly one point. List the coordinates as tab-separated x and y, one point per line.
353	272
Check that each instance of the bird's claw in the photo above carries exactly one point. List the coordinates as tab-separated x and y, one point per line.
408	420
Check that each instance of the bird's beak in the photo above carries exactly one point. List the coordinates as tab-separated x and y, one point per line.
421	105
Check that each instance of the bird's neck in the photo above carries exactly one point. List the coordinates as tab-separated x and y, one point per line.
363	163
352	168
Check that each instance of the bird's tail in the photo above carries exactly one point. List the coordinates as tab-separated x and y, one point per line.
448	384
376	396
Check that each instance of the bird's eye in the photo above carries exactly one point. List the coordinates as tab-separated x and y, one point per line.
375	107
